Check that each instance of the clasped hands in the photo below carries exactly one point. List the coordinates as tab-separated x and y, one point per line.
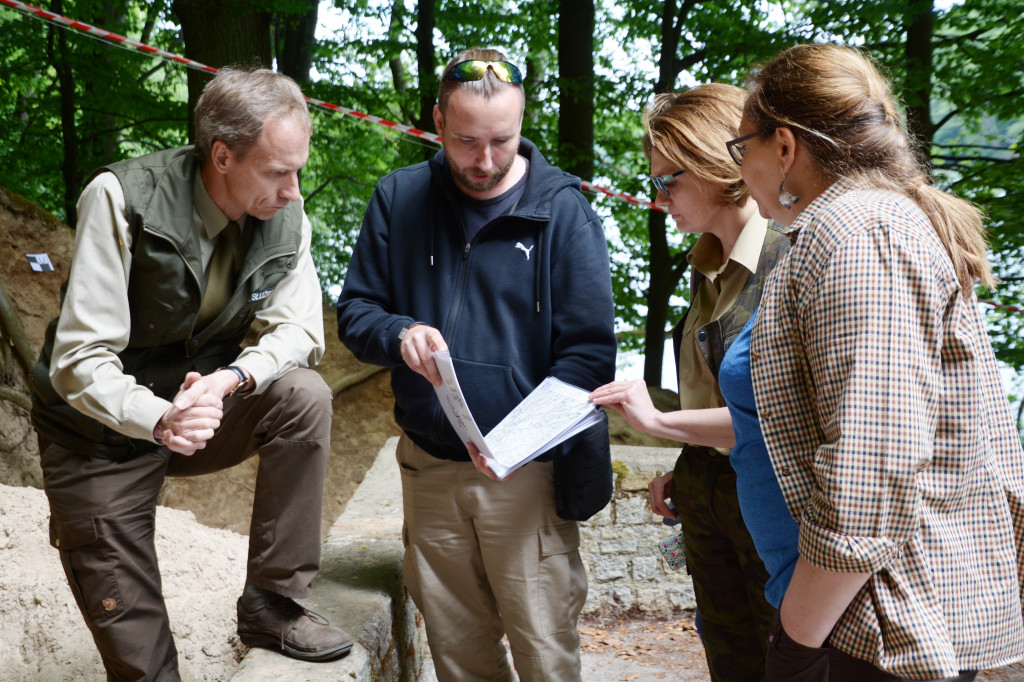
196	411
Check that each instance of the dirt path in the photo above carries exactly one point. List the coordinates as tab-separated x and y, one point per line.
642	650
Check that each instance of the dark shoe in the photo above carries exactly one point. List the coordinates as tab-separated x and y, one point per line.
285	626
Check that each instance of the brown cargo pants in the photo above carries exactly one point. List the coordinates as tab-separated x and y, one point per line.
102	517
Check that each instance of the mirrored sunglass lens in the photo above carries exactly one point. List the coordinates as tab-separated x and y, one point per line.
507	72
476	69
470	71
501	71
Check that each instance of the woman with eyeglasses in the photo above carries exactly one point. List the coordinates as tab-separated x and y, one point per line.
685	137
877	390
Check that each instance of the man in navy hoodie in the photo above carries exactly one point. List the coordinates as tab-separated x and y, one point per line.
493	254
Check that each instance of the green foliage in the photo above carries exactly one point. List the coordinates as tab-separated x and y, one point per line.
977	85
718	40
346	158
117	103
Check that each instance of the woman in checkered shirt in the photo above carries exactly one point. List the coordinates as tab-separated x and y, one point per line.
877	390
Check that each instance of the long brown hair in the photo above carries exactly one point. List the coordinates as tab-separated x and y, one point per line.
839	104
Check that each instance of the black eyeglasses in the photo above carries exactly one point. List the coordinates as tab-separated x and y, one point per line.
476	69
736	150
660	180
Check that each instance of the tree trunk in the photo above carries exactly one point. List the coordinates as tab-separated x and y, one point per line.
663	283
576	87
919	23
296	35
664	279
57	48
426	64
220	33
398	74
536	67
100	129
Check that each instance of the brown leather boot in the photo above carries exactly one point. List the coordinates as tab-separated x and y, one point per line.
296	632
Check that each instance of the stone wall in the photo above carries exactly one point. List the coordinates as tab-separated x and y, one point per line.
619	546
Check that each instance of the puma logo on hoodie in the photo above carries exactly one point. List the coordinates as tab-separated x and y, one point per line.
519	245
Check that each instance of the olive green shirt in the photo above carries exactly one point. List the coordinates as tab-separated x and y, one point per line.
697	385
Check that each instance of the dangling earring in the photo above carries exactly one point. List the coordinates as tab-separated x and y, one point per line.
786	200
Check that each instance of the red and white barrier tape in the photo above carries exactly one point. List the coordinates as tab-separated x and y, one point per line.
123	41
622	196
104	35
1002	306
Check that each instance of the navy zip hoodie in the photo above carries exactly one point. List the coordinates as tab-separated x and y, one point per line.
529	297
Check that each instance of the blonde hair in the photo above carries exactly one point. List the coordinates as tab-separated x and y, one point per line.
690	129
486	87
838	103
237	103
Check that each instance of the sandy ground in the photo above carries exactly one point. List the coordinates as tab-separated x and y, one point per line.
41	633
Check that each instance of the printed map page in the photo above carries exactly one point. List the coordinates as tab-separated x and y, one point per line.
454	405
552	413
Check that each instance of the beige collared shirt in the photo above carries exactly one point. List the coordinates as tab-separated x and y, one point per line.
95	321
697	386
209	219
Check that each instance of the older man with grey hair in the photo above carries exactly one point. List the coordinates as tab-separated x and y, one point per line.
145	374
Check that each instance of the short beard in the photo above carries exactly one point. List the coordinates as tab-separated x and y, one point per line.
463	180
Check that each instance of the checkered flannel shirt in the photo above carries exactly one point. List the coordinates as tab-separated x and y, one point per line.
891	437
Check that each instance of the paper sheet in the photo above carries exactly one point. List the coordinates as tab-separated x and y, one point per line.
552	413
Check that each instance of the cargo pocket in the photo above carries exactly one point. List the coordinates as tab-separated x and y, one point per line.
562	580
88	565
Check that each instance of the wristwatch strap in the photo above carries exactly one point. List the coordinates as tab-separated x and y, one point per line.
405	330
243	381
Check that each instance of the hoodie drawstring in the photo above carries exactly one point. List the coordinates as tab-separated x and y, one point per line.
539	249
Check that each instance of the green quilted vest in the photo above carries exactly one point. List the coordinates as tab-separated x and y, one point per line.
165	290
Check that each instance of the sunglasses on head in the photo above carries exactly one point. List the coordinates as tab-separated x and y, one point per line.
476	69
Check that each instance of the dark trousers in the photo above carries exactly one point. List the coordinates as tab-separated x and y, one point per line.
728	575
790	661
102	517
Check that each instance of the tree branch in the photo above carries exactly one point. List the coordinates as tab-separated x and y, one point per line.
15	332
152	14
943	39
328	182
345	383
19	399
973	146
961	161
